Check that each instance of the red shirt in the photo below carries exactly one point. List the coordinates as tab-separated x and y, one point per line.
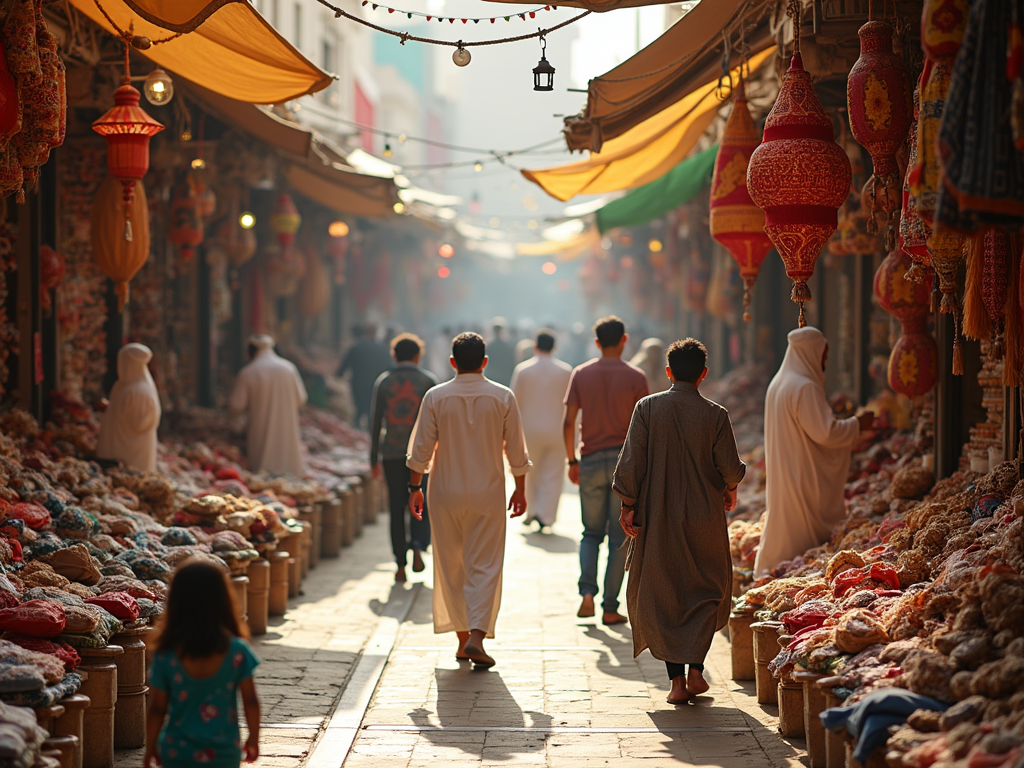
606	390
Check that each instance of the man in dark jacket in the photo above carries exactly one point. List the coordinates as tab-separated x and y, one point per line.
367	359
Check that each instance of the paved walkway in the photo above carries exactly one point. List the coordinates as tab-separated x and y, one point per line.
566	692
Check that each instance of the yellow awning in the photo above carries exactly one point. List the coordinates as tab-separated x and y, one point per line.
687	54
644	153
342	190
234	51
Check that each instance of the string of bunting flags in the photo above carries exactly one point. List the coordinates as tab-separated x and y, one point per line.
524	15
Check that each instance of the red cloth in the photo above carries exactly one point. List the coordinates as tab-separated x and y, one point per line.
36	618
120	605
606	390
34	515
62	651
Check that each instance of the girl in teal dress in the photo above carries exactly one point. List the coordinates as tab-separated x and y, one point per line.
201	664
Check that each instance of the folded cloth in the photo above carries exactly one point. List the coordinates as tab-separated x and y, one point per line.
869	719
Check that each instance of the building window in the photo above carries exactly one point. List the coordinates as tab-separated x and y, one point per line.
297	39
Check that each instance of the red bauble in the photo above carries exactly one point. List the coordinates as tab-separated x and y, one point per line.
734	220
799	177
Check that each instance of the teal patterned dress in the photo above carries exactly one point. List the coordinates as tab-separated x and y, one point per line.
202	714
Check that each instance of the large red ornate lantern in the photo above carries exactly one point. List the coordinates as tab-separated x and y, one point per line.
913	363
285	222
878	99
799	176
127	130
735	221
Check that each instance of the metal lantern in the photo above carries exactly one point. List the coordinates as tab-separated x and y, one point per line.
799	176
127	130
878	99
285	222
543	73
735	221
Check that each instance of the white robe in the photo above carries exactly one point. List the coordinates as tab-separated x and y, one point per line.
539	385
807	455
463	428
128	427
270	391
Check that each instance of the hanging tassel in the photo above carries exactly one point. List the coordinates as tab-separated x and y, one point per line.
958	352
123	292
976	320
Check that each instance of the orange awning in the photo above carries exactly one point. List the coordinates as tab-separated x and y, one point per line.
646	152
344	191
687	55
233	52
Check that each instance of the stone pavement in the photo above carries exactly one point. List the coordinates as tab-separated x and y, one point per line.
565	693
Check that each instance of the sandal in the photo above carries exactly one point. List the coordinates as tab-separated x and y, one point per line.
478	657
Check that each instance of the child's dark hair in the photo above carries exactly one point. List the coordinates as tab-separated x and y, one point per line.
201	616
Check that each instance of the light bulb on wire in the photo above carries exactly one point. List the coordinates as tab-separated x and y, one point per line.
398	208
387	150
159	88
478	166
247	220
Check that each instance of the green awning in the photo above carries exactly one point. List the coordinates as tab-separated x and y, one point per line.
646	203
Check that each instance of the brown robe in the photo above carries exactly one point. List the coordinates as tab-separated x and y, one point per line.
679	456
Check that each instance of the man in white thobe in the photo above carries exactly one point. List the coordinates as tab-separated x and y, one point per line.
269	390
807	454
128	427
539	385
463	428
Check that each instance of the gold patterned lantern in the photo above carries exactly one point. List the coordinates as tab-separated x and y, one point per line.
734	220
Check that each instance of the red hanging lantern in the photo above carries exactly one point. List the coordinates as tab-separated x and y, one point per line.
913	363
878	99
799	176
127	130
285	222
186	225
735	221
943	23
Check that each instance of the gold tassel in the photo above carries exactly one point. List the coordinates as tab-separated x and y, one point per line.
977	324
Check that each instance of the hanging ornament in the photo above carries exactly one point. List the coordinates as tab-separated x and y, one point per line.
878	99
186	228
284	270
285	222
543	73
798	176
913	363
942	28
913	236
314	287
947	252
735	221
118	258
986	287
461	56
127	130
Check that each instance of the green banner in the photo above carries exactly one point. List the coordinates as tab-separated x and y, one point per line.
646	203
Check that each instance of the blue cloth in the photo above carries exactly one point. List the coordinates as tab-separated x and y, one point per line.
869	719
600	508
202	716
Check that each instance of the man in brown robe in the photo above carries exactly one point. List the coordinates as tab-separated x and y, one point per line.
676	476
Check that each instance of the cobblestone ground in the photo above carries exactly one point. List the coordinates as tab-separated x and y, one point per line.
566	692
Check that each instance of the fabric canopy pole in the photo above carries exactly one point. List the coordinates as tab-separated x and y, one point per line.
678	186
644	153
234	51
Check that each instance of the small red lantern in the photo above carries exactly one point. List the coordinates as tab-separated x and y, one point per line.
186	225
127	130
735	221
285	222
913	364
799	177
878	99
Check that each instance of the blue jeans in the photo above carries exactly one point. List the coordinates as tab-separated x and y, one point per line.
600	507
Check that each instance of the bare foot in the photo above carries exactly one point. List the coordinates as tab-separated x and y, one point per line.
678	694
477	655
417	561
611	618
460	654
586	607
695	683
400	576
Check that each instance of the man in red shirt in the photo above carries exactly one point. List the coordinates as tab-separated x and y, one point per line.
606	390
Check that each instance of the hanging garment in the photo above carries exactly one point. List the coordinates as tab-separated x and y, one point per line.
807	454
270	391
128	427
464	427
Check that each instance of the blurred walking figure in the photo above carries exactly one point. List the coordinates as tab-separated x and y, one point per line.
396	403
269	390
501	354
605	390
807	453
677	476
367	359
539	385
130	422
650	359
464	427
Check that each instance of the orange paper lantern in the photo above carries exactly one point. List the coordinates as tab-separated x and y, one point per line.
735	221
119	259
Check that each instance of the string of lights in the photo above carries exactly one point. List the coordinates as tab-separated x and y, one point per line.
532	14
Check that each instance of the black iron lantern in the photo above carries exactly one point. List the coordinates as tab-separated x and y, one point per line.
543	73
